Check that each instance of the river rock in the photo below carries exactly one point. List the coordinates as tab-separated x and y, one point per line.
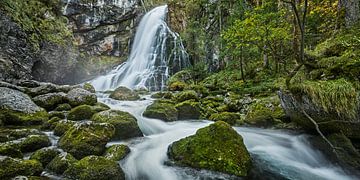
95	168
85	139
17	108
9	167
45	155
14	134
188	110
217	147
228	117
51	100
61	162
62	126
83	112
34	142
125	124
80	96
186	95
117	152
124	94
162	109
11	150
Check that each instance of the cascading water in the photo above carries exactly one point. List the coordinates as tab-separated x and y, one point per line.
156	53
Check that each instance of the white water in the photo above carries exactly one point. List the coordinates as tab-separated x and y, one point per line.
150	59
276	154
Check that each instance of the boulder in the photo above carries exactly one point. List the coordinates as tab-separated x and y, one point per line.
188	110
125	124
62	126
34	142
80	96
14	134
116	152
217	147
82	112
162	94
95	168
59	114
17	108
50	101
164	110
50	124
228	117
45	155
98	107
124	94
85	139
9	167
61	162
63	107
11	150
186	95
89	87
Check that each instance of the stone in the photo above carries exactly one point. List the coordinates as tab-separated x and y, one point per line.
89	87
11	150
61	163
50	101
34	142
163	94
62	126
10	167
80	96
85	139
164	110
188	110
124	94
45	155
82	112
186	95
116	152
125	124
228	117
217	147
63	107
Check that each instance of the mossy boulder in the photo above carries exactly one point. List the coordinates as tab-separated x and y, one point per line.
124	94
11	150
217	147
163	94
228	117
61	162
58	114
186	95
116	152
201	90
50	101
14	134
82	112
79	96
180	80
34	142
50	124
89	87
85	139
177	86
9	167
63	107
45	155
98	107
95	168
164	110
125	124
62	126
188	110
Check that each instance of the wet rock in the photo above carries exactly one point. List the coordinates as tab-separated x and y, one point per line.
50	101
45	155
124	94
98	107
62	126
80	96
11	150
89	87
186	95
63	107
85	139
83	112
116	152
61	162
34	142
217	147
228	117
188	110
164	110
58	114
14	134
125	124
9	167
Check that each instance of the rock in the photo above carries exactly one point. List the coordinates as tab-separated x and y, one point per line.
43	88
125	124
116	152
61	163
201	90
164	110
163	94
11	150
80	96
50	124
228	117
186	95
177	86
217	147
16	108
85	139
28	83
14	134
45	155
11	86
98	107
9	167
124	94
50	101
62	126
63	107
95	168
188	110
180	80
58	114
83	112
89	87
34	142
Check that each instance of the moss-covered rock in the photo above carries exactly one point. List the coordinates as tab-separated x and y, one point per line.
89	87
163	94
62	126
45	155
180	80
85	139
217	147
58	114
228	117
61	162
9	117
95	168
98	107
50	101
201	90
188	110
186	95
164	110
34	142
79	96
177	86
125	124
83	112
116	152
50	124
9	167
63	107
11	150
14	134
124	94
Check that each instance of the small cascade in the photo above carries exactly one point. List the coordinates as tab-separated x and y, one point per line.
157	52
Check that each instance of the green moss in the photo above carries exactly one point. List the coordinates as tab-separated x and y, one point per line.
201	90
11	150
162	110
34	142
165	95
62	126
95	168
58	114
332	95
98	107
117	152
61	162
188	110
45	155
81	112
63	107
89	87
186	95
180	80
177	86
50	124
14	134
228	117
9	117
9	167
217	147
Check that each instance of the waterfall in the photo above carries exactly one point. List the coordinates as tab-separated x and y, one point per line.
156	53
